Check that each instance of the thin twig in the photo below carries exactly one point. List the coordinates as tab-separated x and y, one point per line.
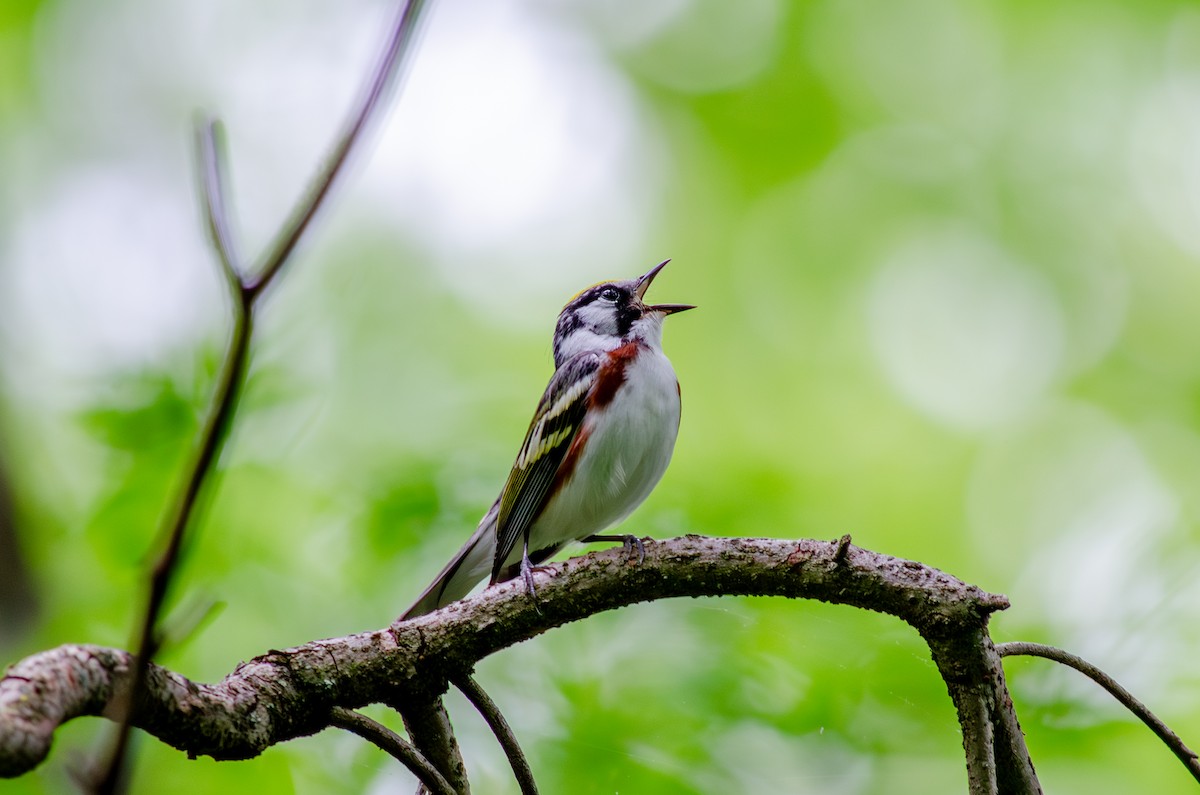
400	43
231	377
171	535
504	734
211	156
194	619
429	729
387	740
1114	688
19	598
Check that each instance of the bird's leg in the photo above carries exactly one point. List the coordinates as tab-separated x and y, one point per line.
528	567
628	542
527	571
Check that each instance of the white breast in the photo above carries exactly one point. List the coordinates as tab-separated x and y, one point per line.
629	446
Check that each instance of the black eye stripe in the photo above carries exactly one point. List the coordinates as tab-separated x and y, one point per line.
597	293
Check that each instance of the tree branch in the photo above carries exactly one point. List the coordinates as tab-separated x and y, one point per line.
19	599
428	724
286	694
1114	688
504	733
997	758
108	777
210	154
386	739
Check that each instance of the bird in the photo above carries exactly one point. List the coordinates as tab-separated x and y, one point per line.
599	442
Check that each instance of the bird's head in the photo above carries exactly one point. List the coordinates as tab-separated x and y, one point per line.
609	314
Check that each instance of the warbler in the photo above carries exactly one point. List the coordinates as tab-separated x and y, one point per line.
599	442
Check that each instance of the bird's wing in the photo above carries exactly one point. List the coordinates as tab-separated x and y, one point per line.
464	571
555	425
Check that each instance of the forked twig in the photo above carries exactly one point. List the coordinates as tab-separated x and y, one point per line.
1114	688
399	44
171	538
384	738
210	152
209	142
504	734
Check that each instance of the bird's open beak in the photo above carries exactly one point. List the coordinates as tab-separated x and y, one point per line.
643	284
670	309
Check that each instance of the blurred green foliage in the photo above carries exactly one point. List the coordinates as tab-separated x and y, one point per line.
947	255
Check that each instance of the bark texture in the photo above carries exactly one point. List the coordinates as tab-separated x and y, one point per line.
286	694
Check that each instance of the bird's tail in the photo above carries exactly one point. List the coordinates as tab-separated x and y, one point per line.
469	565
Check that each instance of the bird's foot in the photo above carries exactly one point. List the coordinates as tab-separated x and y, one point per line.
527	572
630	543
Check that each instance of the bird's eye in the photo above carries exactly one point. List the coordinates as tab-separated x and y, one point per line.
608	294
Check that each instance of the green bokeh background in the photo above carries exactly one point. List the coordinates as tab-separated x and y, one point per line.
947	256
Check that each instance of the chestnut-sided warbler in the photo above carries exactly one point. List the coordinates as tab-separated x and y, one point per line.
599	441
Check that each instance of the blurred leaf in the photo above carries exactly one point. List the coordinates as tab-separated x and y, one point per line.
147	414
404	514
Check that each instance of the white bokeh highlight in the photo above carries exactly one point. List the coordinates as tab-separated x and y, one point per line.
1165	158
516	160
1164	155
706	46
1068	508
964	332
109	271
920	60
519	157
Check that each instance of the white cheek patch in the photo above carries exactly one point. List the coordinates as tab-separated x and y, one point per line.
600	317
583	341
